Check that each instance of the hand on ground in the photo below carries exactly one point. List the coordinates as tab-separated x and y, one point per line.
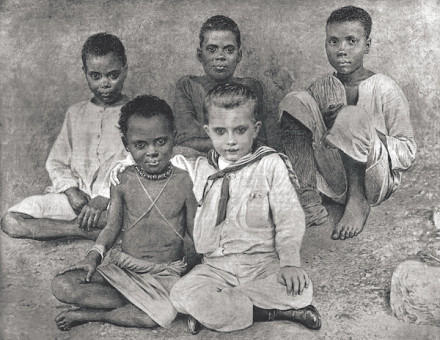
294	278
91	212
77	199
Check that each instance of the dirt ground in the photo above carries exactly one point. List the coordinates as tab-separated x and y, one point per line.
351	278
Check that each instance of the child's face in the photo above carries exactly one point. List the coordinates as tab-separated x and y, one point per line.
346	46
105	76
232	131
219	54
150	142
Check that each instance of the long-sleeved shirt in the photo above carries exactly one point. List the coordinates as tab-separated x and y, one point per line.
87	148
388	111
263	212
188	106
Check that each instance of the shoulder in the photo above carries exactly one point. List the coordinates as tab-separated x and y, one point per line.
188	80
254	83
273	162
324	79
78	107
127	176
384	82
182	178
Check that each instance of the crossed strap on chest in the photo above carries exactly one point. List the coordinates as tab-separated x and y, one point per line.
154	205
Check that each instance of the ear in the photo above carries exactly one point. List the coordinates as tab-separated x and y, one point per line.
84	70
124	141
368	44
206	128
257	128
199	55
239	56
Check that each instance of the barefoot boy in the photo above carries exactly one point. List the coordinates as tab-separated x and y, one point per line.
86	149
152	208
350	134
249	226
219	53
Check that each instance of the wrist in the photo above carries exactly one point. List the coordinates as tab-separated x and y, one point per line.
97	249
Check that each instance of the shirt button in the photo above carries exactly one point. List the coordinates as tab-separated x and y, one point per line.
227	221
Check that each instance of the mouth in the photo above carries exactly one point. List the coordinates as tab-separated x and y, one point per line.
232	150
152	163
343	63
220	67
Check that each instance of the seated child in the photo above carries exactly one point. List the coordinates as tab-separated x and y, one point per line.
151	209
349	136
219	54
85	151
249	226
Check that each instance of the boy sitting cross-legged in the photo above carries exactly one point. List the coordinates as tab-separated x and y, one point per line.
85	151
249	226
151	210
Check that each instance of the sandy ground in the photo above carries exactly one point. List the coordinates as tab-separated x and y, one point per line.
351	278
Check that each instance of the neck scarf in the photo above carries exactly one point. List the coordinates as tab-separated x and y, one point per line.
258	153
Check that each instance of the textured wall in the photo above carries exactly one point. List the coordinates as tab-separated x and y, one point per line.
283	45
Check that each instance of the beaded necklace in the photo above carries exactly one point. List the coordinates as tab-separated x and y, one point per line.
154	177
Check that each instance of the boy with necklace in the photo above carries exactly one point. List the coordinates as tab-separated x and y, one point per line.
85	151
349	135
151	210
219	52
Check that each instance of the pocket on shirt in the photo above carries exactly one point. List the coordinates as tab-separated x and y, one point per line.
257	210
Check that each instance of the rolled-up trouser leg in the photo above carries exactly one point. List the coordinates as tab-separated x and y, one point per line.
297	143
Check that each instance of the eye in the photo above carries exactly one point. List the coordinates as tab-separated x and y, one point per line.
140	145
211	49
94	75
161	141
219	131
353	41
230	49
241	130
114	75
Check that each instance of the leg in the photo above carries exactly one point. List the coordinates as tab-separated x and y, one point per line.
354	135
72	288
19	225
127	316
357	208
208	294
297	142
43	217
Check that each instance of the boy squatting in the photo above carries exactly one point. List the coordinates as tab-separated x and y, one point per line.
349	136
249	226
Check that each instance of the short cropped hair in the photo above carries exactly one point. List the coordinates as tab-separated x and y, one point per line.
229	96
351	13
101	44
145	106
220	23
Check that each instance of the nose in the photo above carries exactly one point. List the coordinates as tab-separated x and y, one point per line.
231	139
105	82
220	55
151	151
342	49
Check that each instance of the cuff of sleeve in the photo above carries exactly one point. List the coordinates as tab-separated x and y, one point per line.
61	187
393	156
290	259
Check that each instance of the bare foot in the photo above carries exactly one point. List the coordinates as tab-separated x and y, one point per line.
354	218
69	318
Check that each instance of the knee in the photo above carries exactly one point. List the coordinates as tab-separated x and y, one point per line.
11	225
63	288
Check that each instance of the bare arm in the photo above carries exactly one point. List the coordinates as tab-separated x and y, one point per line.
191	207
